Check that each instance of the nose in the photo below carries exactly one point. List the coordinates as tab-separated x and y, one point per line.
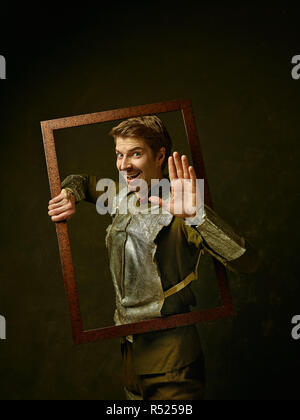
125	164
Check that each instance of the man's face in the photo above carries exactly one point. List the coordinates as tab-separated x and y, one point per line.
135	157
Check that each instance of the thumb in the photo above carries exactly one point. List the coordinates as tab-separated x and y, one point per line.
156	200
159	201
58	198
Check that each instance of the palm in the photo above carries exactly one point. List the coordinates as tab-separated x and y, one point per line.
183	201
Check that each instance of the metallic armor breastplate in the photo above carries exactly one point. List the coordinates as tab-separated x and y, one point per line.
131	246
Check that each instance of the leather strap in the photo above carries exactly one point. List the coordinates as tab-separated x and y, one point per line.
187	280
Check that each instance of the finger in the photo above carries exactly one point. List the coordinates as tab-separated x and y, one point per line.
57	205
58	211
67	206
178	165
172	168
61	217
192	172
58	198
194	185
185	166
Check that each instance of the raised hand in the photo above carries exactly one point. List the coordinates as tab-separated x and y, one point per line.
185	199
62	207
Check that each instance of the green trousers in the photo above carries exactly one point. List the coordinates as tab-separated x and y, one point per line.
185	383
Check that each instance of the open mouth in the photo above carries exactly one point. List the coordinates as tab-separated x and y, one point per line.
131	177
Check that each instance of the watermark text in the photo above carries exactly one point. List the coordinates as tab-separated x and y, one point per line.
296	68
296	329
2	67
180	197
2	328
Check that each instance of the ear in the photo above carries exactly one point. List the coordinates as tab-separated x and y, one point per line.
160	156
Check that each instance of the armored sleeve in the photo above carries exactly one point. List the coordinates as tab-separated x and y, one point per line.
83	187
221	241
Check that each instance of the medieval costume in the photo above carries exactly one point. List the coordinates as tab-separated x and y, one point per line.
153	259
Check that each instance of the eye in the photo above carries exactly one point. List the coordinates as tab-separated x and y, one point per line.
136	154
119	155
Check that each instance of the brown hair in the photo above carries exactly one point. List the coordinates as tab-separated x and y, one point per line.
149	128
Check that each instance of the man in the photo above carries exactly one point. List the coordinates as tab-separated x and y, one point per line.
154	257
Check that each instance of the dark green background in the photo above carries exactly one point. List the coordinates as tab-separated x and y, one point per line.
234	63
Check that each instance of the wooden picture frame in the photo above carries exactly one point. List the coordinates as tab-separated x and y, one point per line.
79	335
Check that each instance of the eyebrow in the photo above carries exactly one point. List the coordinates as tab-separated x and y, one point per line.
131	150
